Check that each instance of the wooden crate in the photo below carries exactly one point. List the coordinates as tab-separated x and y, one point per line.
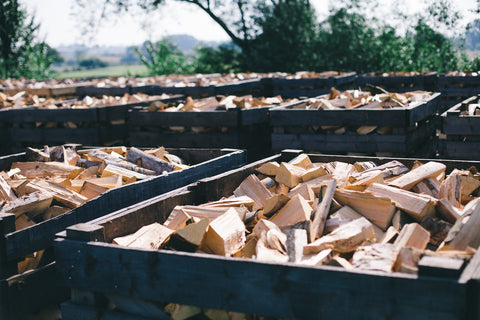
14	245
97	270
399	83
82	91
413	130
461	132
192	91
455	89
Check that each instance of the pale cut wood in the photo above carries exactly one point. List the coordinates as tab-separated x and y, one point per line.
303	189
264	253
22	222
416	205
366	129
121	150
109	182
390	235
361	166
34	203
320	213
407	260
182	312
252	187
364	181
341	172
302	161
389	169
282	189
289	175
91	172
190	237
231	202
464	233
377	209
32	154
413	235
152	236
91	190
346	238
98	155
276	240
274	203
428	186
447	210
313	173
408	180
225	235
70	156
128	176
6	192
62	195
31	262
263	226
54	211
317	259
34	169
18	186
375	257
296	240
450	189
211	213
145	160
269	168
338	261
438	229
177	219
248	250
296	210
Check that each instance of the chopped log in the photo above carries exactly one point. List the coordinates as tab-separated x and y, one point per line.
148	161
469	184
248	250
71	156
264	225
255	189
296	240
429	169
190	237
303	189
34	169
127	166
91	190
31	262
428	186
450	189
407	260
438	230
289	175
366	129
321	212
389	169
264	253
211	213
447	211
98	155
464	233
54	211
176	160
313	173
177	219
225	235
90	172
269	168
361	166
317	259
128	176
296	210
390	235
302	161
276	240
109	182
346	238
365	180
269	183
231	202
182	312
418	206
18	186
6	192
274	203
341	172
377	209
412	235
282	189
32	154
375	257
338	261
34	203
22	222
68	198
152	236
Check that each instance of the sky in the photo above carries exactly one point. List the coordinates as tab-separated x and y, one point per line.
59	23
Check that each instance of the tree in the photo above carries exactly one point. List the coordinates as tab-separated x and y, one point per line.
21	55
224	59
163	57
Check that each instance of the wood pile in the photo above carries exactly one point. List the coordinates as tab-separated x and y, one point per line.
361	216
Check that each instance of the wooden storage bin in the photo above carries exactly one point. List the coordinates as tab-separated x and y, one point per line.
399	83
455	89
461	132
413	129
14	245
95	269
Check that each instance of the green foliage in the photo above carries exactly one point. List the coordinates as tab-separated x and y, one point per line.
92	63
21	55
163	57
224	59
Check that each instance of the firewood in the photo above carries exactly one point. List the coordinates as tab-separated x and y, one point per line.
346	238
264	253
464	233
303	189
34	170
429	169
428	186
32	154
30	262
128	176
321	212
296	210
152	236
450	189
341	172
317	259
269	183
255	189
375	257
269	168
447	210
296	240
302	161
390	235
22	221
418	206
313	173
68	198
389	169
338	261
18	186
182	312
225	235
90	172
109	182
54	211
211	213
145	160
289	175
6	192
91	190
190	237
438	229
377	209
413	235
248	250
407	260
365	180
264	225
177	219
231	202
98	155
34	204
274	203
282	189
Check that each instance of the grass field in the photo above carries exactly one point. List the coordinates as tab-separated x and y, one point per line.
111	71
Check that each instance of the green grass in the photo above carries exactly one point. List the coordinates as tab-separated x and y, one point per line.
111	71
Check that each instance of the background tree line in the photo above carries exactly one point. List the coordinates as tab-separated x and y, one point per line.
268	36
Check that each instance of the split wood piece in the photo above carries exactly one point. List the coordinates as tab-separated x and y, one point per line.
303	189
128	176
97	155
366	129
159	152
447	211
68	198
177	219
375	257
225	235
296	210
211	213
22	222
18	186
269	168
313	173
32	154
344	215
269	183
389	169
450	189
145	160
91	190
152	236
282	189
190	237
365	181
91	172
263	226
289	175
317	259
6	192
464	233
417	205
390	235
71	156
342	171
263	252
34	203
338	261
321	211
377	209
428	186
109	182
347	238
121	150
182	312
12	174
34	170
438	229
361	166
30	262
407	260
302	161
408	180
296	240
252	187
54	211
469	183
249	249
231	202
274	203
413	235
